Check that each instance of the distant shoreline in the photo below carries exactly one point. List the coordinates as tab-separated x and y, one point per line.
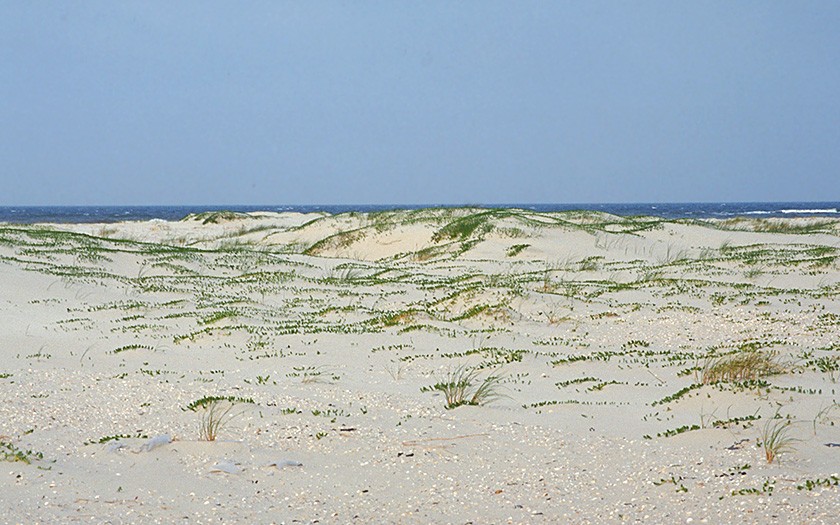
720	210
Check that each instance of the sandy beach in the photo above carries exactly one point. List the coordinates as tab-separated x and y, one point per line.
426	366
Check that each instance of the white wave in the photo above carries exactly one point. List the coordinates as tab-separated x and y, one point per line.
753	213
823	210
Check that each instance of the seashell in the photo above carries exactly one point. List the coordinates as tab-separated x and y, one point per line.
155	442
283	463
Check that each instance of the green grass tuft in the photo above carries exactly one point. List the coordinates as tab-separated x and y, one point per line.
776	439
463	386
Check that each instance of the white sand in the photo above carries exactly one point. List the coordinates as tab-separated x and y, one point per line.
332	325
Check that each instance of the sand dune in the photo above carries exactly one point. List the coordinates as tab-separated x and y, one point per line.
642	368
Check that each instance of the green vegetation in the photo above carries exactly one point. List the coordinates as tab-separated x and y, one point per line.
116	437
767	488
678	430
216	415
131	347
206	401
811	484
13	454
464	227
673	480
516	249
677	395
748	365
564	384
464	386
776	439
215	217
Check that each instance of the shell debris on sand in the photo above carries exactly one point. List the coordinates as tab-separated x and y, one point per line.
335	348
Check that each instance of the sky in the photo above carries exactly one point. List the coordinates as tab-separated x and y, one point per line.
432	102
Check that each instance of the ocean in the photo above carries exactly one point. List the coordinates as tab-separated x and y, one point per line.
697	210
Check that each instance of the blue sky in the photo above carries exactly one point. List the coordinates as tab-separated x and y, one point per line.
424	102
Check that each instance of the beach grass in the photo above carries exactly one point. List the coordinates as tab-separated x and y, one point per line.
776	439
215	416
464	385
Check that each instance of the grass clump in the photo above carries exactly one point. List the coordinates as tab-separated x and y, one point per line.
216	416
746	365
776	439
516	249
464	386
464	227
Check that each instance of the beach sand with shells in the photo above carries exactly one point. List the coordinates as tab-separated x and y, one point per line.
635	370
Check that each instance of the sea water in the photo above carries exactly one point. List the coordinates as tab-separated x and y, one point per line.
694	210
